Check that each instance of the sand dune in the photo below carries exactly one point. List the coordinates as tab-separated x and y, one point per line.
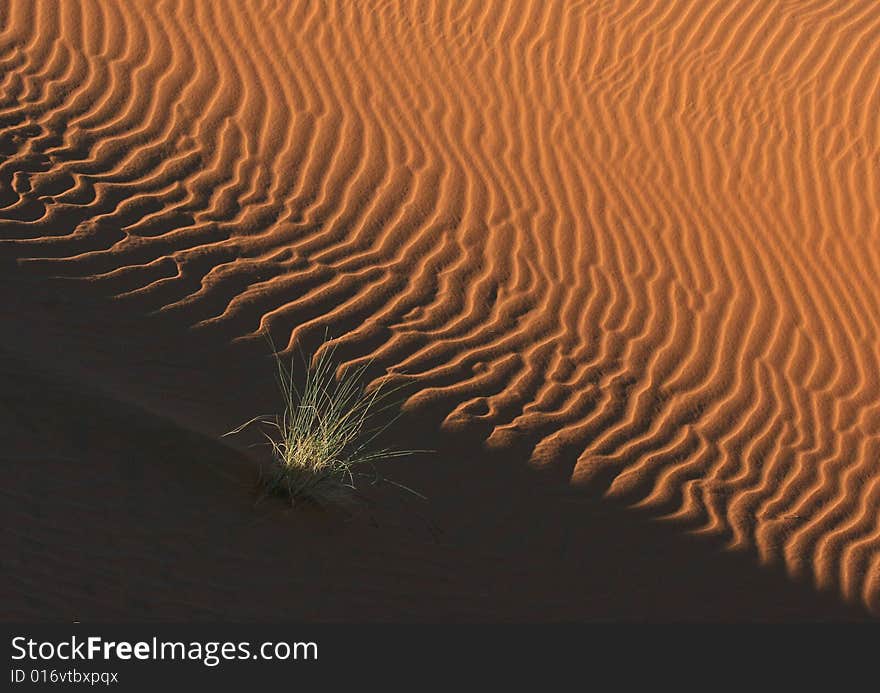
638	239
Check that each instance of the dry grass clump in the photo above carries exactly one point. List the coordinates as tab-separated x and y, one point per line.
323	441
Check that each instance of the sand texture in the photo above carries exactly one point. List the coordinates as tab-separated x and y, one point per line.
628	249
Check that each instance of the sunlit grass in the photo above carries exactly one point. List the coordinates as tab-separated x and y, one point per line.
323	442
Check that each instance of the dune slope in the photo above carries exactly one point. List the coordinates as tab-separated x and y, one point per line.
638	239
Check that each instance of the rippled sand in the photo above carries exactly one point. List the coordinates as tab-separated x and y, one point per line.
635	243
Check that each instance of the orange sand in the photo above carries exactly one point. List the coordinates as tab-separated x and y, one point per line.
632	243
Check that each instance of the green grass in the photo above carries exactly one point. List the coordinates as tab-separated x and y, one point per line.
323	442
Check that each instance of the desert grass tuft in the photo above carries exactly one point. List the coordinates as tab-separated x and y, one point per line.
323	442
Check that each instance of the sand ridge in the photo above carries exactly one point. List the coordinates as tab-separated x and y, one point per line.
638	237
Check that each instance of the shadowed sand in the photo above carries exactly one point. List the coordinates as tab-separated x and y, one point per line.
113	512
624	253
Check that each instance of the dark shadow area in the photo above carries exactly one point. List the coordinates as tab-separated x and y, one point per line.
120	503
